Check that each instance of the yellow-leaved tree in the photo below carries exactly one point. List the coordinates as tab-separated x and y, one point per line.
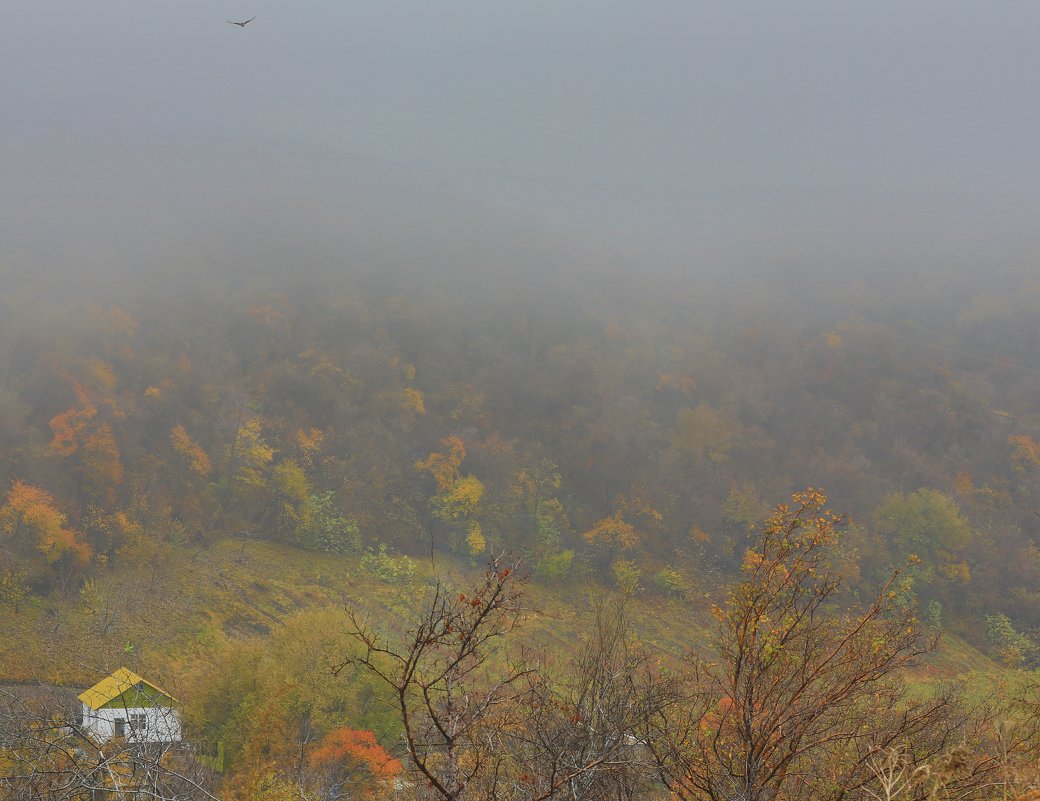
248	462
458	499
614	536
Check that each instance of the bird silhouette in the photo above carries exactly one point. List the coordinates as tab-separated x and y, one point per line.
241	24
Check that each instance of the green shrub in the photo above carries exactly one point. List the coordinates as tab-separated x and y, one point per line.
626	575
386	566
327	530
670	581
1010	646
555	566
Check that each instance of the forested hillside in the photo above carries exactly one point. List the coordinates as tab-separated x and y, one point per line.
611	434
534	401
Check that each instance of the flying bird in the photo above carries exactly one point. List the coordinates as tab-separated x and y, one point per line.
241	24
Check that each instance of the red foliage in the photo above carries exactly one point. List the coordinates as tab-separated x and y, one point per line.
350	747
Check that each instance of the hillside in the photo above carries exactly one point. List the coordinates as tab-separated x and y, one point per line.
607	444
234	591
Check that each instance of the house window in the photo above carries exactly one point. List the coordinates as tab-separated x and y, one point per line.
138	722
120	727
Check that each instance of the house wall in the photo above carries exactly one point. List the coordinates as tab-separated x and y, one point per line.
160	723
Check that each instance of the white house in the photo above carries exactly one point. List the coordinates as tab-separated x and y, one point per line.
125	705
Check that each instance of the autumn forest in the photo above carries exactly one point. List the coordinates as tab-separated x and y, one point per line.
250	491
543	401
603	447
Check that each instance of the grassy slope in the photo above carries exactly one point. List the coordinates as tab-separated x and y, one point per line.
235	589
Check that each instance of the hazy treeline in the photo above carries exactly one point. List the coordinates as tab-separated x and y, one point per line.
606	431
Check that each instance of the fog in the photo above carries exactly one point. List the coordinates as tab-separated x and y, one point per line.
597	283
664	138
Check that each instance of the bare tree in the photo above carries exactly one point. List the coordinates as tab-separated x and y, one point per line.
964	772
479	725
454	708
585	736
894	775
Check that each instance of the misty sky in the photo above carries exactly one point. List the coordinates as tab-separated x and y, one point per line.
827	130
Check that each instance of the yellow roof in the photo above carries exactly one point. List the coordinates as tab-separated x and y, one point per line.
114	686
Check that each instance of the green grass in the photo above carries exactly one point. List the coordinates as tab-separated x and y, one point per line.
237	590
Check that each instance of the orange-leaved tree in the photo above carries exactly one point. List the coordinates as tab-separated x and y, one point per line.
196	459
84	436
351	762
33	532
444	467
801	695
